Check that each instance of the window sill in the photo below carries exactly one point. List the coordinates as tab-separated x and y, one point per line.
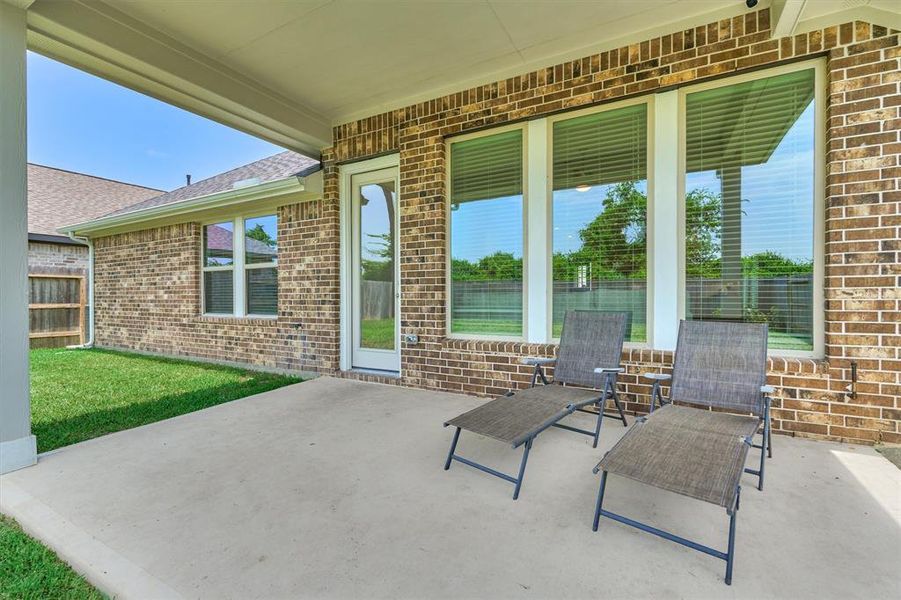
235	320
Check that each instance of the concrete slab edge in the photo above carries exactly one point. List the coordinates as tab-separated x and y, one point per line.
102	566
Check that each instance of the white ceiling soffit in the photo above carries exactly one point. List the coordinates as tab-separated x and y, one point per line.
286	71
818	14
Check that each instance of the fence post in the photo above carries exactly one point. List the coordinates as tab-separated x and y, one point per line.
82	296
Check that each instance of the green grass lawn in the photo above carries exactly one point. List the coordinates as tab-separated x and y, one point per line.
29	570
77	395
377	333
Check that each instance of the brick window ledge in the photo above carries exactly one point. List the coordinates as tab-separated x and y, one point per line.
227	320
635	356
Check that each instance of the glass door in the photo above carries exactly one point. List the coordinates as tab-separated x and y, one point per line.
375	327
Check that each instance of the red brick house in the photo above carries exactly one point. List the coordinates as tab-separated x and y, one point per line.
716	172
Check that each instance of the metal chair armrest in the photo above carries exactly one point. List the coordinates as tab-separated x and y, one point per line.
536	361
657	376
767	389
600	370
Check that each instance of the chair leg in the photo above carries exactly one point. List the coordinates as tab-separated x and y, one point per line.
522	468
766	448
762	460
600	501
619	407
597	427
450	455
730	555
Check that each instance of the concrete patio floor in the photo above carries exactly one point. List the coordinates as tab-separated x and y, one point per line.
335	488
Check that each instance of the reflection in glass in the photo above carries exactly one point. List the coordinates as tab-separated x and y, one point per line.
486	230
377	241
600	201
260	241
749	206
218	244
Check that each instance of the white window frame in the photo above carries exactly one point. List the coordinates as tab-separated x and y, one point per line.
665	219
819	200
238	267
526	243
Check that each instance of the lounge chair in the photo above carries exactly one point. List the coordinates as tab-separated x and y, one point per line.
693	448
587	364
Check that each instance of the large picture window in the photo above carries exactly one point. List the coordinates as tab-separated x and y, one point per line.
240	274
701	203
600	206
749	205
486	235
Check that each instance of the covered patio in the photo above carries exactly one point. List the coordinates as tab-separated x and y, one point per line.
335	488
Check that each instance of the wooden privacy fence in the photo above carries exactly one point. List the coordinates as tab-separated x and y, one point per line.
57	305
377	299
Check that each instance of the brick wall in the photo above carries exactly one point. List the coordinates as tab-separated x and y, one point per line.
862	221
57	258
862	238
148	296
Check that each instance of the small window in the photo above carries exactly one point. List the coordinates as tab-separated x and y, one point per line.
486	235
252	266
749	206
600	207
218	268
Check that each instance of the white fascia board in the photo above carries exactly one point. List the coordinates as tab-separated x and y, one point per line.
100	39
785	15
272	189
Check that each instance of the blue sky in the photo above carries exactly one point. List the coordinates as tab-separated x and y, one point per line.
83	123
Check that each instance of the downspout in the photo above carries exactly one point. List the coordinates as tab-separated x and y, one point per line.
89	343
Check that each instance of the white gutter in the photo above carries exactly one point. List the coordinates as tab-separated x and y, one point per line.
225	198
90	341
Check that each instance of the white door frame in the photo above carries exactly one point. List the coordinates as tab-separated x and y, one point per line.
346	172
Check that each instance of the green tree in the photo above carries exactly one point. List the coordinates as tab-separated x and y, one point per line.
260	234
771	264
703	222
615	242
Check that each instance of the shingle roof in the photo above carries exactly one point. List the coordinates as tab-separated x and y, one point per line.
57	197
282	165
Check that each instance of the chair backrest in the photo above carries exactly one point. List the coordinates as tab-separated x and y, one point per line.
590	339
720	364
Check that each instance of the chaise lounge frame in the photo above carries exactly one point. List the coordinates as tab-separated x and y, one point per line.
712	429
576	365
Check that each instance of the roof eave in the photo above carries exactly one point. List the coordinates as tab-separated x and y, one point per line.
233	197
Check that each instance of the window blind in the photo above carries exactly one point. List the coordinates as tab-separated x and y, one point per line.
749	205
600	216
218	289
487	167
602	148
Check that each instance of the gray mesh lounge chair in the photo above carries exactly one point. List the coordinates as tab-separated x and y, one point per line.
591	346
688	448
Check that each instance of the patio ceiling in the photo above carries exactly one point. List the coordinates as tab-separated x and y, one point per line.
289	71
